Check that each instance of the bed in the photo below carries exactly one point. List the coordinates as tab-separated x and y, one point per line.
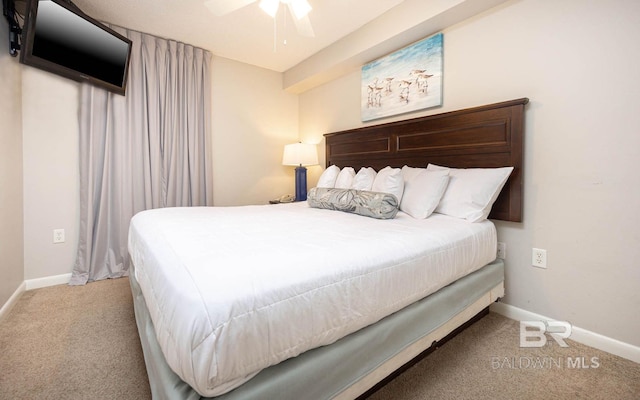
345	300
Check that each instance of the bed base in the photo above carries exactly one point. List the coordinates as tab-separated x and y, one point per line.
352	366
387	371
434	346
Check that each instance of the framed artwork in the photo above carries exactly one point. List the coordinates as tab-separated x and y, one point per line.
406	80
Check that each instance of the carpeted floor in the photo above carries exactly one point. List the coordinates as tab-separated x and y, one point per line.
70	342
73	342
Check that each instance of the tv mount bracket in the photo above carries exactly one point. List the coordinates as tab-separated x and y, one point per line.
9	11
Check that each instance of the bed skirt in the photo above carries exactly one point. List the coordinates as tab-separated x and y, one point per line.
353	364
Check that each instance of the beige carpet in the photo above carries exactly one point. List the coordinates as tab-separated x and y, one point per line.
73	342
69	342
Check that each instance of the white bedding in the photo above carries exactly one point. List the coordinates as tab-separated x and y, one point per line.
233	290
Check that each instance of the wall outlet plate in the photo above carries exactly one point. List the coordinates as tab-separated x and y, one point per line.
502	250
539	258
58	236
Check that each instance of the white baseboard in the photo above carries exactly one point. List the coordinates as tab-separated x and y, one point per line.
592	339
31	284
12	300
47	281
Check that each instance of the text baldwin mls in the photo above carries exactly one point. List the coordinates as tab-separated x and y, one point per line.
544	362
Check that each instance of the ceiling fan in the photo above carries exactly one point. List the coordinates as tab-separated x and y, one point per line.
299	10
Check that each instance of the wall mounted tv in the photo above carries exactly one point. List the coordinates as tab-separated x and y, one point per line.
59	38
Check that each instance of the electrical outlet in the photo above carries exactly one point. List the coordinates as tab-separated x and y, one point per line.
58	236
539	258
502	250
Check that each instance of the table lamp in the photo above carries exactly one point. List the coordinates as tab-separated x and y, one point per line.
300	155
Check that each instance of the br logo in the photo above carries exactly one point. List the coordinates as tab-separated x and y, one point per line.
532	333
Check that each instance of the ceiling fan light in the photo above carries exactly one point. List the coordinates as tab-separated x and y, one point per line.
300	8
270	7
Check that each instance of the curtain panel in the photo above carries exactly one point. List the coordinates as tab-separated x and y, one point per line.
148	149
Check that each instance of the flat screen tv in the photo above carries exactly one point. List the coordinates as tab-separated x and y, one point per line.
59	38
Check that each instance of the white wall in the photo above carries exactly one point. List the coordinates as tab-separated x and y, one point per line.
253	118
51	180
577	62
11	241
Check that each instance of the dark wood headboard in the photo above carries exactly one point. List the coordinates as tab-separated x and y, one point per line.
488	136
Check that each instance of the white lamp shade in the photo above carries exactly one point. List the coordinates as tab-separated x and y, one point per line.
300	154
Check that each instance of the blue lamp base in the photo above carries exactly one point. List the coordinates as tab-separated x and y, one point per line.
301	183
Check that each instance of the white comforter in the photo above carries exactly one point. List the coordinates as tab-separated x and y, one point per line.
233	290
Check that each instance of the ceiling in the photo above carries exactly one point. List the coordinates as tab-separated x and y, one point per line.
245	35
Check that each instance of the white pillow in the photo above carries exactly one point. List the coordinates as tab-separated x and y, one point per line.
328	177
471	191
364	179
423	191
345	178
389	180
409	172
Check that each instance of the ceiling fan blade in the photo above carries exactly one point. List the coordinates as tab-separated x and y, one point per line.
270	7
222	7
303	25
299	8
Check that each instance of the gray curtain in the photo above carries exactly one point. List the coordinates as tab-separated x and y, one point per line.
147	150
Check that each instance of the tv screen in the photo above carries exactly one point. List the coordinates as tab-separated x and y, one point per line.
59	38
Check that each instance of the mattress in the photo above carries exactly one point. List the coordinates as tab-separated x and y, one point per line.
231	291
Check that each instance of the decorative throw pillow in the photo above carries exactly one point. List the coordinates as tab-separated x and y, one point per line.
328	177
423	191
361	202
364	179
389	180
345	178
471	191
